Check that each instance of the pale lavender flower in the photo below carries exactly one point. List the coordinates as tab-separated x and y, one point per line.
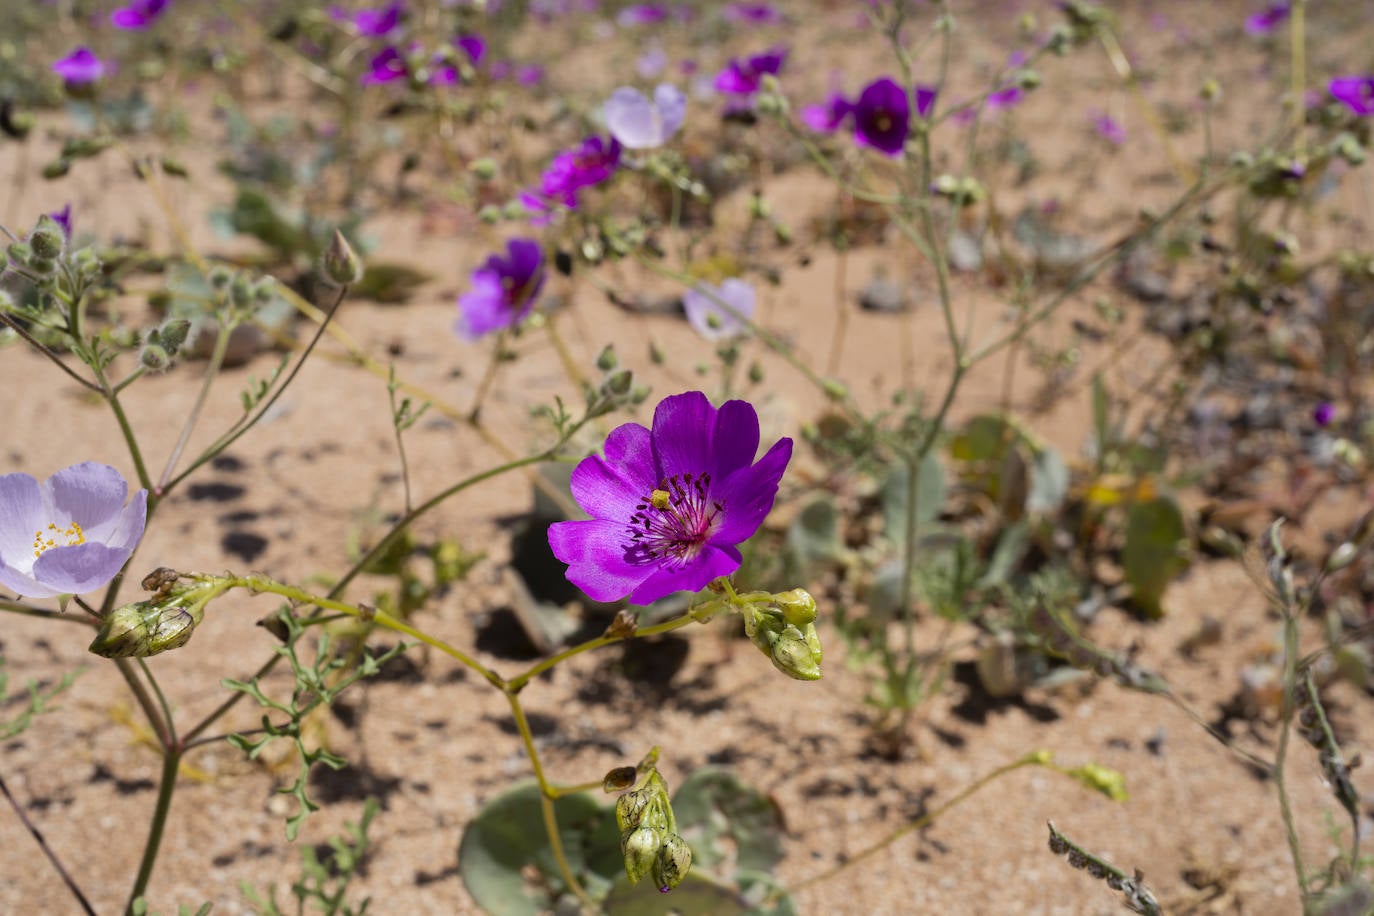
651	63
751	14
69	534
642	14
669	505
710	319
638	123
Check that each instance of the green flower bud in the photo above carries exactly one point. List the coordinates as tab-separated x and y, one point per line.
755	373
47	238
341	263
640	851
813	642
154	357
1027	79
672	863
792	655
264	290
618	383
19	253
174	167
797	606
42	266
220	277
490	214
240	291
173	334
606	359
145	628
58	168
484	169
629	808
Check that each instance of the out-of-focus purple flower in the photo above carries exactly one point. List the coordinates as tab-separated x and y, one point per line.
642	14
386	66
925	100
751	14
1108	128
63	218
1003	99
474	46
651	63
882	116
591	163
69	534
1271	18
712	320
139	14
742	75
529	75
669	505
828	117
1355	92
1017	58
1324	413
638	123
503	290
79	68
375	23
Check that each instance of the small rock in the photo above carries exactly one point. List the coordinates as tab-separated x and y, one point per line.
884	295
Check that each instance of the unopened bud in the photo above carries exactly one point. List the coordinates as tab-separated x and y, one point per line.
265	289
142	629
618	383
42	266
154	357
792	655
47	238
240	291
220	277
490	214
1027	79
173	334
606	359
58	168
341	263
672	863
1341	557
629	809
19	253
797	606
484	169
640	852
1210	91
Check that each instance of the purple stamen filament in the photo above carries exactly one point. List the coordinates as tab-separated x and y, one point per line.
674	521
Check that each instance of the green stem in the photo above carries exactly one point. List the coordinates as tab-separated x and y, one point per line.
171	763
226	330
23	332
150	709
15	607
1290	675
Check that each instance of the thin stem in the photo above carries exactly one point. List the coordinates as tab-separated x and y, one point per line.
32	341
832	365
162	702
564	355
488	377
226	330
1290	674
154	715
1297	33
14	607
171	763
47	850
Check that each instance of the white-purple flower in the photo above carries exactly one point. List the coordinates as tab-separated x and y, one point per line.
711	319
69	534
638	123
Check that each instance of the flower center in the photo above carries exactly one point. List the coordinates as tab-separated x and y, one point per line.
54	536
883	121
673	522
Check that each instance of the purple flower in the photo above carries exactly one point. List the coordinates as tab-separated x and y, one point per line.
139	14
1324	413
1272	17
1356	92
79	68
742	75
63	218
642	14
882	117
387	65
474	46
69	534
828	117
377	23
503	290
669	506
1003	99
710	319
751	14
1108	128
637	123
571	171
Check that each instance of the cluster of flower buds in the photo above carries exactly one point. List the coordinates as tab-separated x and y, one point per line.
783	626
164	621
1316	731
1139	898
161	344
240	290
649	841
617	387
40	253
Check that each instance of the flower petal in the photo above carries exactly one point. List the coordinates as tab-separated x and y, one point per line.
611	487
595	553
631	119
79	569
21	514
22	583
735	439
672	108
87	493
684	425
714	561
748	494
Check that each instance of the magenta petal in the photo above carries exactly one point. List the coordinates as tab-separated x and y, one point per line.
595	553
735	439
713	562
610	488
749	493
74	570
684	426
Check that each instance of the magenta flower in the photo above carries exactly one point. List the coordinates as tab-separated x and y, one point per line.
709	318
503	290
669	505
79	68
882	117
1108	128
71	533
642	14
828	117
1270	19
386	66
377	23
474	46
1355	92
751	14
1324	413
139	14
638	123
572	170
1003	99
742	75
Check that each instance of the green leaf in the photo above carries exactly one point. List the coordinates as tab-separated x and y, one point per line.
1153	555
508	836
930	497
813	538
716	813
697	895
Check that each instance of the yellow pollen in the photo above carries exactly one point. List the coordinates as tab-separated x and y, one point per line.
57	537
659	499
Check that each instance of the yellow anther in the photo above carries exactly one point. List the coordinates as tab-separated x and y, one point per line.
659	499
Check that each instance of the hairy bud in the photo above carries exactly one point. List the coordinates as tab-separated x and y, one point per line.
341	263
145	628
